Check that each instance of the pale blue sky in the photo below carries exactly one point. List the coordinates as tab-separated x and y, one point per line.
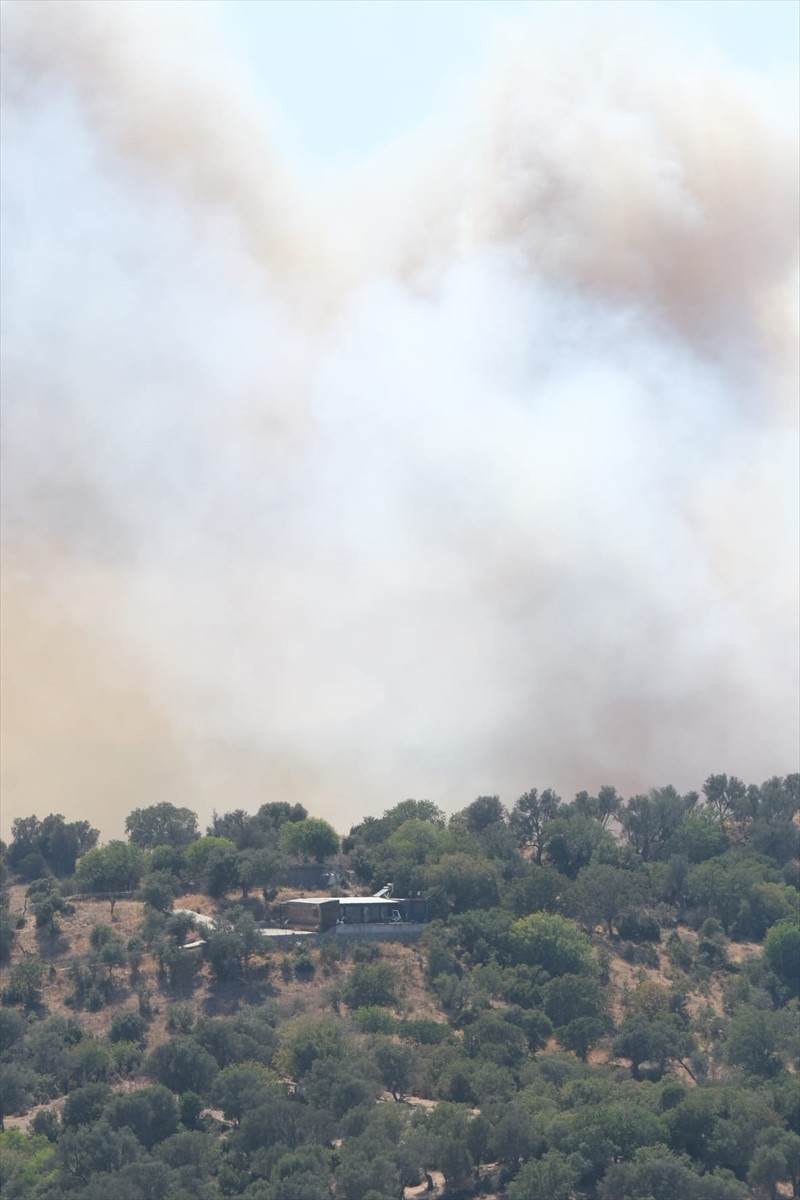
347	76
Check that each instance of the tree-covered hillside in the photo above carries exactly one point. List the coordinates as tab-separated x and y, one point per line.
604	1004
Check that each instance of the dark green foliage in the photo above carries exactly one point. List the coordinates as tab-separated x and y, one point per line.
311	838
128	1027
657	1041
17	1088
535	889
116	867
159	889
572	840
47	1124
191	1106
8	932
553	943
182	1065
151	1113
46	902
421	1031
396	1065
85	1104
374	1019
659	1175
243	1086
710	1109
464	881
25	983
261	868
52	844
161	825
568	997
249	1035
608	894
529	817
639	927
552	1177
369	984
650	822
782	952
93	1149
753	1042
496	1040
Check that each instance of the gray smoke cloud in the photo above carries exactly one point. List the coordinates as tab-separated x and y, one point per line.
473	471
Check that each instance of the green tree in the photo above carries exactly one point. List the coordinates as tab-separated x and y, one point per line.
497	1040
159	889
396	1065
276	813
116	867
370	984
726	798
782	952
466	882
54	841
241	1087
46	903
649	822
554	943
222	871
182	1065
85	1105
25	983
128	1026
161	825
92	1149
605	893
753	1042
657	1174
483	812
573	839
151	1113
310	838
552	1177
658	1041
200	851
263	868
17	1087
529	818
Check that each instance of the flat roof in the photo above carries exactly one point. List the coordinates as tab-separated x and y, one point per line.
283	933
343	900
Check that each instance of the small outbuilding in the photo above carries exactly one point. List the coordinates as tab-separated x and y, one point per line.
314	912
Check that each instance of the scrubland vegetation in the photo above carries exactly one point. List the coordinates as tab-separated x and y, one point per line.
603	1005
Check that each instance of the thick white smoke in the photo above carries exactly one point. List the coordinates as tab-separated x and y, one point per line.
476	472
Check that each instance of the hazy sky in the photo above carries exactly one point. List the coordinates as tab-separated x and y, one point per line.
346	76
399	400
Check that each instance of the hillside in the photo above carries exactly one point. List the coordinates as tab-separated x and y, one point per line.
585	1015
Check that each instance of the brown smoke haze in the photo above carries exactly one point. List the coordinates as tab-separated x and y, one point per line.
474	471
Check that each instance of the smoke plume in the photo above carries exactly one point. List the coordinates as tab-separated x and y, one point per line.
474	471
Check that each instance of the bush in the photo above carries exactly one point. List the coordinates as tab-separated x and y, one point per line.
128	1027
370	984
423	1031
374	1019
639	927
25	985
304	966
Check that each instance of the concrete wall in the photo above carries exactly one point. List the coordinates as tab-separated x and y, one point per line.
374	933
